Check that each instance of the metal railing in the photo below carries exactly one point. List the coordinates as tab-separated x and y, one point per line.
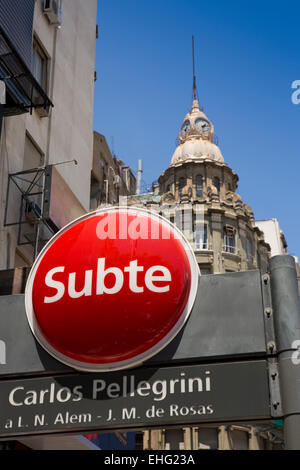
230	249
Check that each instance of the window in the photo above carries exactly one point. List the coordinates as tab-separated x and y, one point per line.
216	183
95	193
201	237
33	157
229	239
181	185
39	65
249	250
199	186
229	242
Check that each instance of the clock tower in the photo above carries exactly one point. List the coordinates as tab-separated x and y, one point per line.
196	124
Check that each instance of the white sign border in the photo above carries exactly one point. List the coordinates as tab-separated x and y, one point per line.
139	359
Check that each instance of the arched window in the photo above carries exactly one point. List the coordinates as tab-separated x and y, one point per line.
181	185
199	186
216	182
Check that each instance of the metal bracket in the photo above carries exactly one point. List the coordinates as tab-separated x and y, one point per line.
275	396
268	315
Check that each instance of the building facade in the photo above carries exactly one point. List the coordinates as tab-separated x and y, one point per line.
110	177
274	236
46	155
60	137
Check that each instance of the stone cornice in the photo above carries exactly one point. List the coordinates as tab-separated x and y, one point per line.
198	162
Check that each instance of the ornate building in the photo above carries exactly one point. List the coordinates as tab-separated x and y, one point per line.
197	192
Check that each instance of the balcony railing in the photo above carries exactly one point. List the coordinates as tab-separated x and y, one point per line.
230	249
201	245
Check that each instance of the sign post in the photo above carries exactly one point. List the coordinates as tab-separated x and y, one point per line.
286	306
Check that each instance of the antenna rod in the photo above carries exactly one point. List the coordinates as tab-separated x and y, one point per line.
194	77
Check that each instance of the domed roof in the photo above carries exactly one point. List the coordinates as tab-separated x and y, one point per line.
195	137
197	148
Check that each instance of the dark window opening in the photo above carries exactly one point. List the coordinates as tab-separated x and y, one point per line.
181	185
216	182
199	186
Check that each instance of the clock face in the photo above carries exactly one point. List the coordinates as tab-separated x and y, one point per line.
185	128
202	125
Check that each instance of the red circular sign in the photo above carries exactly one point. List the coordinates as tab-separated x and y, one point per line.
111	289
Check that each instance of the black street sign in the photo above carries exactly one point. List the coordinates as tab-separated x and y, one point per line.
227	320
135	398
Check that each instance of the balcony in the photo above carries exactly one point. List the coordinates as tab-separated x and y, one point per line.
230	249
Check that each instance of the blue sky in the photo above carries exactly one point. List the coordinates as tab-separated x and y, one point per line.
247	55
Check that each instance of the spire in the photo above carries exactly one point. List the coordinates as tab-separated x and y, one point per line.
195	105
196	133
194	76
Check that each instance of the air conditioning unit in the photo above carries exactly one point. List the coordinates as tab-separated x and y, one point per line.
52	9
